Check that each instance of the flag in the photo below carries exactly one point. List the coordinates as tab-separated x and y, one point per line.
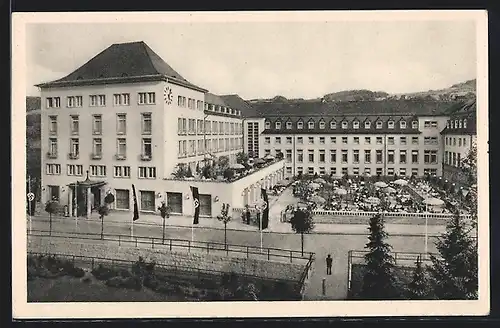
265	212
136	209
196	204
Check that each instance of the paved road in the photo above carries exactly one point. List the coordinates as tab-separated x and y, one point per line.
321	244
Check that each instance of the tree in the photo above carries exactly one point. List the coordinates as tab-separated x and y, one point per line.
228	174
189	172
242	158
454	274
103	211
418	288
224	217
223	164
165	214
51	207
378	280
109	199
469	164
302	222
279	156
181	171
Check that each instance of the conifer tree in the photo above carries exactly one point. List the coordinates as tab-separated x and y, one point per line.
379	281
418	288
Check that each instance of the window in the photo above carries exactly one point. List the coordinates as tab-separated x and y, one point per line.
402	140
174	201
454	141
379	125
333	140
121	99
288	140
199	105
289	170
288	155
277	125
53	102
98	170
146	147
356	140
465	123
344	125
75	170
310	125
322	125
344	171
121	149
300	170
191	103
427	124
344	155
310	154
215	126
147	172
97	100
390	140
121	123
368	171
74	101
181	101
414	124
402	156
460	124
121	171
333	170
310	170
355	170
74	148
368	140
459	160
344	140
289	125
333	156
53	169
378	154
322	140
379	140
300	125
97	124
97	148
402	125
122	199
333	125
208	126
321	155
277	140
367	124
147	200
430	156
414	156
390	171
414	140
268	125
414	171
53	147
311	140
53	125
355	125
390	156
300	140
448	124
267	152
355	156
300	155
75	124
322	170
267	140
368	156
390	125
200	126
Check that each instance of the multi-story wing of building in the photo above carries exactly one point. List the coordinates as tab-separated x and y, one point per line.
126	117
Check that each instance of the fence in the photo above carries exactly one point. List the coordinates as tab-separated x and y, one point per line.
390	215
266	253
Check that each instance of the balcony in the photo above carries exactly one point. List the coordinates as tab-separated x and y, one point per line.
96	156
52	155
73	156
120	157
145	157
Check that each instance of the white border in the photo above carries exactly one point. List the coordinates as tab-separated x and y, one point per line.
23	310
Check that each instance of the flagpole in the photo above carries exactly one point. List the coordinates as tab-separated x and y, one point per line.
76	205
29	203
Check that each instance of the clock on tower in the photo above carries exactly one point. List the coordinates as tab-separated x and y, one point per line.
167	95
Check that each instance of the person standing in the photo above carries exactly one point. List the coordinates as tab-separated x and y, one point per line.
329	264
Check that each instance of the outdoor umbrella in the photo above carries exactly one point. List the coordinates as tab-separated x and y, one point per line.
433	201
340	191
401	182
269	157
314	185
390	190
380	184
318	199
373	200
236	166
259	161
320	180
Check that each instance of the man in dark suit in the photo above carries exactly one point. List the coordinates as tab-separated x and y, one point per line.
329	264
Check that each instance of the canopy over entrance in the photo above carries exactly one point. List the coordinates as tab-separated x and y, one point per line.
88	183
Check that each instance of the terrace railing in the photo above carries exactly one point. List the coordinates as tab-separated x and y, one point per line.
368	214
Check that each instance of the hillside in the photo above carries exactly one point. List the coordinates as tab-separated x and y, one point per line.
355	95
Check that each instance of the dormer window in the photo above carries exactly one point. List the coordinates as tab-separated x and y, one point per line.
355	125
448	124
310	125
289	125
268	125
333	125
300	125
344	125
277	125
460	124
322	125
402	125
379	124
367	124
390	124
465	123
456	124
414	125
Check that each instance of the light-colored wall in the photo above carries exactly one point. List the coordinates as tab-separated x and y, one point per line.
246	139
462	149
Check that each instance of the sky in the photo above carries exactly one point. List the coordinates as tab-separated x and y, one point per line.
265	59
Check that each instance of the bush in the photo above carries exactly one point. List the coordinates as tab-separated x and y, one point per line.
104	273
76	272
86	279
114	282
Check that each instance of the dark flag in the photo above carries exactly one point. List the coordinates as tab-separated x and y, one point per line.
265	212
136	208
196	204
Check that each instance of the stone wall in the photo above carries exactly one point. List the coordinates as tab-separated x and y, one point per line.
195	260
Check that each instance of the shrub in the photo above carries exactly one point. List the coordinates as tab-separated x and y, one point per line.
114	282
104	273
86	279
76	272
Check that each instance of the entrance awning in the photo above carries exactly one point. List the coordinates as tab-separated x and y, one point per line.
88	183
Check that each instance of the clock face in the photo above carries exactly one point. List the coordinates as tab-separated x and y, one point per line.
167	95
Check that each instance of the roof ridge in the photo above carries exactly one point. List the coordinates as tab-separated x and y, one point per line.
145	48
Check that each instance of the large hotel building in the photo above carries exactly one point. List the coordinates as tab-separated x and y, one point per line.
126	117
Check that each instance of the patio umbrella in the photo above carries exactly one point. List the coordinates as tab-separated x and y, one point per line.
373	200
340	191
236	166
318	199
314	185
390	190
259	161
320	180
269	157
401	182
380	184
433	201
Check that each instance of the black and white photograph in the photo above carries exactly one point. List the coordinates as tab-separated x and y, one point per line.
250	164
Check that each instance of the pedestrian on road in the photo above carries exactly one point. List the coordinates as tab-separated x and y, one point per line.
329	265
